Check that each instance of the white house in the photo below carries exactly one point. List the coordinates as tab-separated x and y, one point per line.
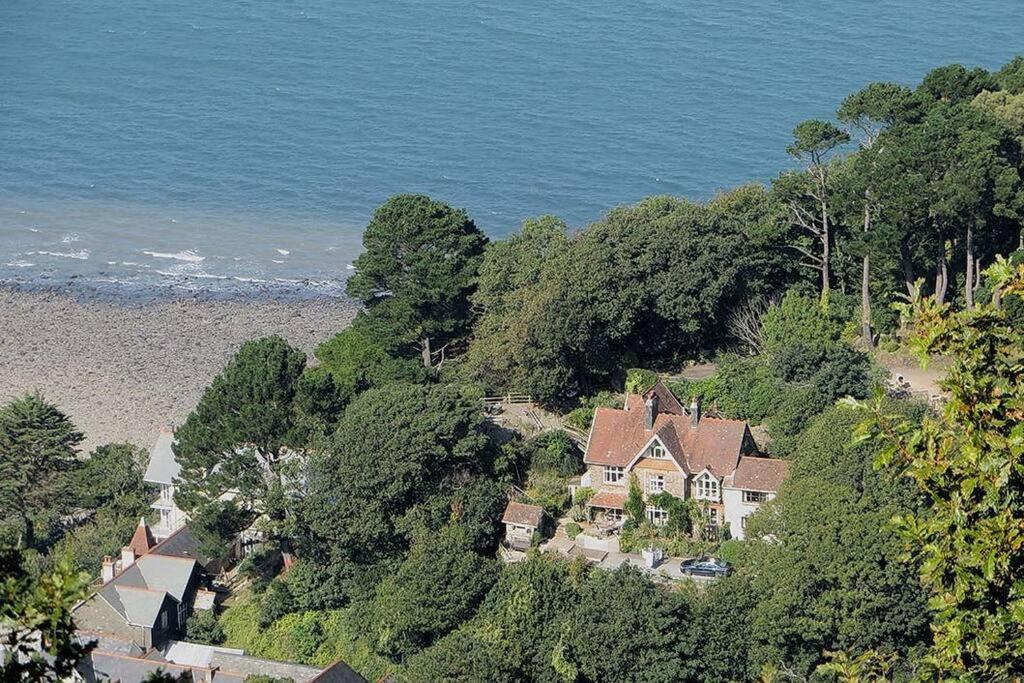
161	471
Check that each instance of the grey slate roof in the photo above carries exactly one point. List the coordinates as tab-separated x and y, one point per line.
162	468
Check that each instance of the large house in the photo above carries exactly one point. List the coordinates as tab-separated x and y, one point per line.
135	619
150	591
677	449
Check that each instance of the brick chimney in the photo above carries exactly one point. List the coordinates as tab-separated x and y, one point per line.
650	412
695	411
107	570
127	557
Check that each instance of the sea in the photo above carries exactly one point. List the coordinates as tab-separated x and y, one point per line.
215	147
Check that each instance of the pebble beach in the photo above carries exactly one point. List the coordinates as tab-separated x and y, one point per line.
122	371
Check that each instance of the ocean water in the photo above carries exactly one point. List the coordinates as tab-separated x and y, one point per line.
212	145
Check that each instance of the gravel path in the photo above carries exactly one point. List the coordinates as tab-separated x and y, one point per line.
122	372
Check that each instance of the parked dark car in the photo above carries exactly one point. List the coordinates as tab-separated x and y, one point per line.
705	566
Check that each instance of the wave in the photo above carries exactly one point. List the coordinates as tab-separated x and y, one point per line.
81	254
70	237
283	252
19	263
188	255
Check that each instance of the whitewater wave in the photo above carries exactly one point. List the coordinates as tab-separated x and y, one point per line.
283	252
20	263
189	256
70	237
81	254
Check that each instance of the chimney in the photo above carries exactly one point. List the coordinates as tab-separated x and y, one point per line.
107	572
650	412
127	557
695	411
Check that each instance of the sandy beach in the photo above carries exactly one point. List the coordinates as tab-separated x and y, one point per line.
121	372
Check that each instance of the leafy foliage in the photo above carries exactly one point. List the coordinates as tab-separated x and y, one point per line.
38	637
967	462
37	449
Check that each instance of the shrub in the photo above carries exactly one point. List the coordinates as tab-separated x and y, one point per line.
203	627
548	490
556	452
276	602
572	530
639	380
261	567
583	415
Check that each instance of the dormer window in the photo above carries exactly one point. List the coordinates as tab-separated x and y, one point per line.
705	487
657	451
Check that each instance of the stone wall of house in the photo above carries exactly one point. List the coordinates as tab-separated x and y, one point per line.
675	480
597	479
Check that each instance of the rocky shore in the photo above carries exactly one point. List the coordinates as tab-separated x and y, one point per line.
122	371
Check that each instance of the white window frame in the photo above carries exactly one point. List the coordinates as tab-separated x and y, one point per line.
754	497
613	514
712	514
657	452
705	487
743	522
614	474
656	515
655	483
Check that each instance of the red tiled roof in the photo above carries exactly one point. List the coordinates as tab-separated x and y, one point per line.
618	435
142	539
608	500
760	474
521	513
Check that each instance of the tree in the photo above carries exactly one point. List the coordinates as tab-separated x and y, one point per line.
462	657
238	436
395	448
641	629
955	82
418	270
37	638
869	111
111	478
828	575
814	141
357	361
435	588
528	606
966	462
37	450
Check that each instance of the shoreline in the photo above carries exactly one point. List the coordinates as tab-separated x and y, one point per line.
122	368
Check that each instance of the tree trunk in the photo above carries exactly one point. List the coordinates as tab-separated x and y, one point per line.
425	351
941	279
969	279
826	253
865	289
908	270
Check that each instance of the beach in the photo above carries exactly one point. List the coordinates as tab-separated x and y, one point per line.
122	371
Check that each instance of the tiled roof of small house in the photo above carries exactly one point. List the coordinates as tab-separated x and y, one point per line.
522	514
618	435
759	474
612	500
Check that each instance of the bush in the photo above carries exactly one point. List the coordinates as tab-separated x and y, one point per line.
639	380
556	452
548	490
572	530
276	602
582	416
261	567
203	627
797	407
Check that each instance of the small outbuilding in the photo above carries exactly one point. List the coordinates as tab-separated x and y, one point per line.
521	521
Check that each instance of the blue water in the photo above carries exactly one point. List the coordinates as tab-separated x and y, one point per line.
204	142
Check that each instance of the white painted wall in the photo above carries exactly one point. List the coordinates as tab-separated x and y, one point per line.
736	510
